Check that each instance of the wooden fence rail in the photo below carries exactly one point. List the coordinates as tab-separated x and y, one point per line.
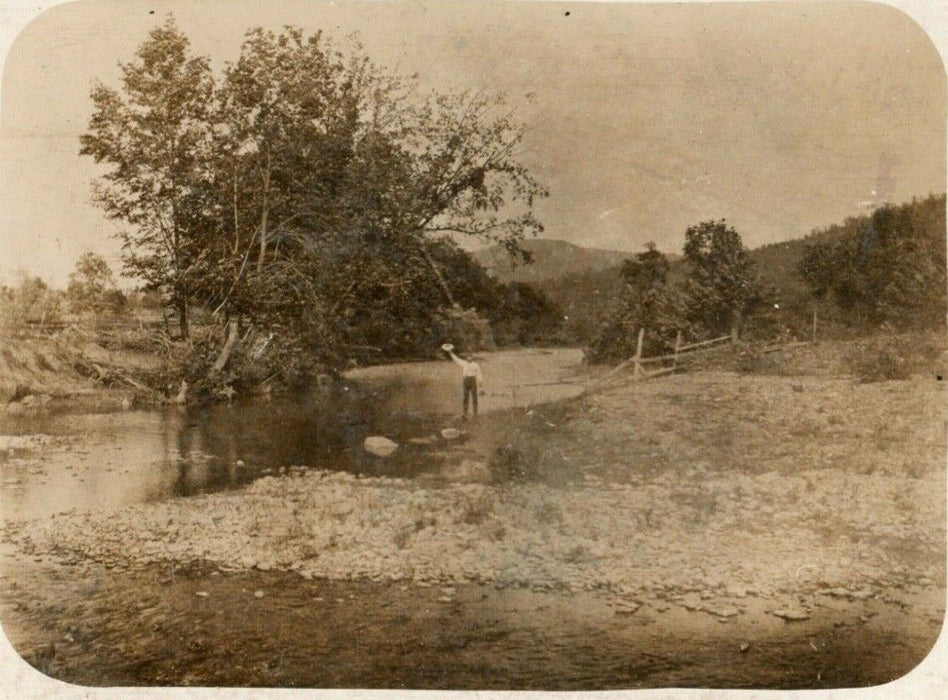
638	362
685	350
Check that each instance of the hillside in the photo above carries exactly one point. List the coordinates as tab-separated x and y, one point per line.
587	294
588	297
551	260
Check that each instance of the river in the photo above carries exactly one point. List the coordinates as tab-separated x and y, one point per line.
111	459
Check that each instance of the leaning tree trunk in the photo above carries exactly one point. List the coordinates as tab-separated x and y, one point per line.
232	332
437	273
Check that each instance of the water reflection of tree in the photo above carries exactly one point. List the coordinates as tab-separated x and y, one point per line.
321	429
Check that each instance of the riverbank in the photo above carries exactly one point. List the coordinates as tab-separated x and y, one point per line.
71	371
751	513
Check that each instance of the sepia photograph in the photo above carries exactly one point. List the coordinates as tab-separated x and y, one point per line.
474	346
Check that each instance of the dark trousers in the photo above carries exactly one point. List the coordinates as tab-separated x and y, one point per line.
470	389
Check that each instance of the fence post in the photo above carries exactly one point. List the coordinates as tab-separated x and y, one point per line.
677	345
638	356
814	325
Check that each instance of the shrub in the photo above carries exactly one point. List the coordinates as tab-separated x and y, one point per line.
893	357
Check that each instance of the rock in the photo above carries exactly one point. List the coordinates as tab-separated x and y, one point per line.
722	611
792	614
691	601
745	647
202	594
379	446
835	592
450	433
258	594
445	599
626	607
735	591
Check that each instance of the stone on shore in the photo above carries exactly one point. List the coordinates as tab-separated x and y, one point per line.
379	446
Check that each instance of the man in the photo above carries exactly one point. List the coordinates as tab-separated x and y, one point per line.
472	378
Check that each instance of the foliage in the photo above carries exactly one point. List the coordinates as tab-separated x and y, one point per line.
92	288
306	189
156	136
467	329
721	288
888	268
648	301
31	301
526	316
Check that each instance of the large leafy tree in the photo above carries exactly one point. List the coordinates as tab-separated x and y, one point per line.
721	287
349	184
307	188
92	288
647	301
155	136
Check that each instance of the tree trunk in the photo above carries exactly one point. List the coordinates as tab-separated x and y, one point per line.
263	238
182	306
735	326
264	216
437	272
236	219
228	346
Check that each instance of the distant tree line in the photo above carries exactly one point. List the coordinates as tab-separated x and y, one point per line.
306	190
886	269
882	271
91	292
720	292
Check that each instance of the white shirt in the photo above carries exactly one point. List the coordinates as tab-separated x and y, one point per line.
469	369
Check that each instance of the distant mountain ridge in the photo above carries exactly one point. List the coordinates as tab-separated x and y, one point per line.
588	296
552	259
586	282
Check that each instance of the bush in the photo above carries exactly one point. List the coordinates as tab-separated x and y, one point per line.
893	357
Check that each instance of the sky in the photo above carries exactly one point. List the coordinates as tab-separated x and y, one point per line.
643	119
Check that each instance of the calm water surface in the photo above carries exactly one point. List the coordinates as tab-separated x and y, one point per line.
107	460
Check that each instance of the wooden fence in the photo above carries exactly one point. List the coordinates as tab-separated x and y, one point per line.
638	362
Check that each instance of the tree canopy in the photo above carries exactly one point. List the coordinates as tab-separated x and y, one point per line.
92	288
647	301
303	186
887	268
721	287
